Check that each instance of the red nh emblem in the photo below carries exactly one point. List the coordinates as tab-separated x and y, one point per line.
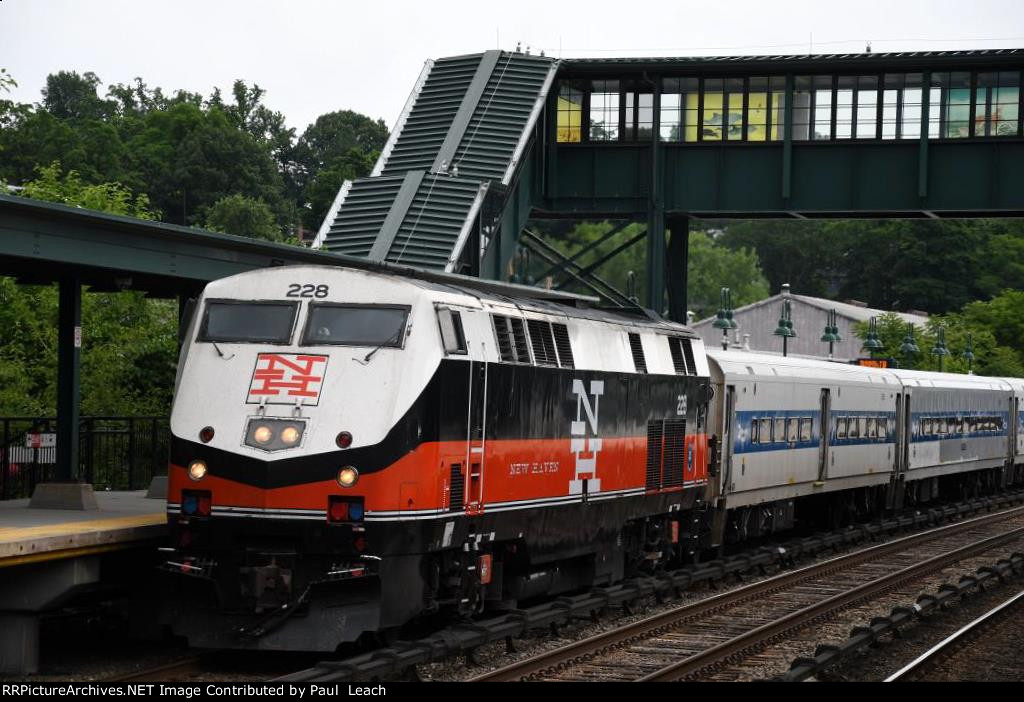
287	378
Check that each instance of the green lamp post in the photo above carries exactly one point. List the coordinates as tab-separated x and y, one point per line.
831	335
785	328
909	348
940	348
872	343
724	320
968	354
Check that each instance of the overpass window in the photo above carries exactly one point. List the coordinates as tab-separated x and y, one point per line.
997	100
777	116
570	112
951	104
822	87
757	110
713	118
639	116
844	106
679	109
802	108
867	107
913	97
604	110
734	91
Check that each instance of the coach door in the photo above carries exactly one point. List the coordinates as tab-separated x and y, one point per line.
826	434
727	431
476	435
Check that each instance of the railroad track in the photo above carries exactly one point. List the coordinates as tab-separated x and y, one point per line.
163	673
957	642
706	638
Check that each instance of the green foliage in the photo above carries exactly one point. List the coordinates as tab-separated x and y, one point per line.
129	344
243	216
68	189
987	323
890	264
321	190
711	265
6	81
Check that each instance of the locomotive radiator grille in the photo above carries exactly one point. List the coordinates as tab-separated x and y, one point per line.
457	488
675	452
654	436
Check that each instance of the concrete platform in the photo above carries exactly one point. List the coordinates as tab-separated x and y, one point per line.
32	535
48	556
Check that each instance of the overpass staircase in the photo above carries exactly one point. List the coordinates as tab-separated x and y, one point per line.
439	193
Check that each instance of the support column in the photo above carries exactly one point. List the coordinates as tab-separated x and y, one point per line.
678	267
63	492
656	259
69	344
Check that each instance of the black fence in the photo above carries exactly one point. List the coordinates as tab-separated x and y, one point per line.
115	453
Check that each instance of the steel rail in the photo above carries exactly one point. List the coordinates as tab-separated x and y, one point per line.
740	646
954	642
599	644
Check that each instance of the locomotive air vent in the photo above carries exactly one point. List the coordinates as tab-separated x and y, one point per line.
543	342
682	355
565	359
638	353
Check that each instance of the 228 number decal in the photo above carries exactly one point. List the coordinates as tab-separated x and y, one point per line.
308	290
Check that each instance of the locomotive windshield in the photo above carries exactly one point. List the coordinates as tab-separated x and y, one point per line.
235	321
355	325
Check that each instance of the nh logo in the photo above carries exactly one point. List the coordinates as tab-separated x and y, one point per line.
584	439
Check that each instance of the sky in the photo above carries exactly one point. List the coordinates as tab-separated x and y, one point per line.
317	56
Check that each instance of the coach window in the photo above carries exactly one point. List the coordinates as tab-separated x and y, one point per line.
841	428
452	335
780	429
764	432
793	429
805	429
852	429
872	431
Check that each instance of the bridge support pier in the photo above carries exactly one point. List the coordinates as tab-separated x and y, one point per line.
678	267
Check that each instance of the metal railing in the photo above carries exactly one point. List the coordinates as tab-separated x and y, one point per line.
115	453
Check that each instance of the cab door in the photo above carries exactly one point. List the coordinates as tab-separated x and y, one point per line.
476	435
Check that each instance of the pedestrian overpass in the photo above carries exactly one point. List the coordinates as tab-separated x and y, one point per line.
487	142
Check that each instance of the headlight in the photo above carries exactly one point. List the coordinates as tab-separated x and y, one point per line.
263	434
348	476
197	470
290	435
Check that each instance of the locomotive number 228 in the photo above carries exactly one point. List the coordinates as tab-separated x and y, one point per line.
308	290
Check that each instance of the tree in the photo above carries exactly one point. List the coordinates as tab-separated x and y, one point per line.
68	95
243	216
129	346
324	186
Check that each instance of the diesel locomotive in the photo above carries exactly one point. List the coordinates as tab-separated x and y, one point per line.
355	449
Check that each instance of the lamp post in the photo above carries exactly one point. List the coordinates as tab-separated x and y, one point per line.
940	349
831	335
969	354
724	320
872	343
909	348
785	328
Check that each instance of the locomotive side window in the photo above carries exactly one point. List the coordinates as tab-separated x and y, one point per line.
452	335
637	349
248	321
355	325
